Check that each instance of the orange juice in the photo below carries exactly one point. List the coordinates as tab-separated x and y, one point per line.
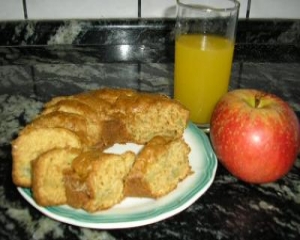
202	73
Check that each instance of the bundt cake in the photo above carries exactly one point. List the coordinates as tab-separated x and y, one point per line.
81	127
158	168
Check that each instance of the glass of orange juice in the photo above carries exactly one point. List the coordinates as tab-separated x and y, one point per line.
204	44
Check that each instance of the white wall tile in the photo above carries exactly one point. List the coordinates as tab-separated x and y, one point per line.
158	8
243	8
167	8
11	10
65	9
78	9
283	9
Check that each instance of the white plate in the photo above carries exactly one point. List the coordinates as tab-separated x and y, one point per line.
133	212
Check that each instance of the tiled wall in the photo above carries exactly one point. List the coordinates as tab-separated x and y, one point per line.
94	9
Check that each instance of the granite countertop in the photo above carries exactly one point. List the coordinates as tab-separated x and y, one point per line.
39	60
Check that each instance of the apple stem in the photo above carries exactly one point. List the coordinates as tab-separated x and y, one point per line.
257	100
258	97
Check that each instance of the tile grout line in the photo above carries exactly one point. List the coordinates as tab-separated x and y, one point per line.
248	9
139	8
25	10
139	64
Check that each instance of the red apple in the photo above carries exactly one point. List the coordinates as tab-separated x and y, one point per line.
255	135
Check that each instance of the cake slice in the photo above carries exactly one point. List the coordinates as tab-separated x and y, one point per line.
96	180
72	121
32	143
48	186
158	168
67	105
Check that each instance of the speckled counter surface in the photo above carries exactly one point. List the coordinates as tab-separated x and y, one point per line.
42	60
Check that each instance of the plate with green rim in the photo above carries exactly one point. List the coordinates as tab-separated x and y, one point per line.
134	212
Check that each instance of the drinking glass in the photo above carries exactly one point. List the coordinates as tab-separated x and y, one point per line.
204	44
